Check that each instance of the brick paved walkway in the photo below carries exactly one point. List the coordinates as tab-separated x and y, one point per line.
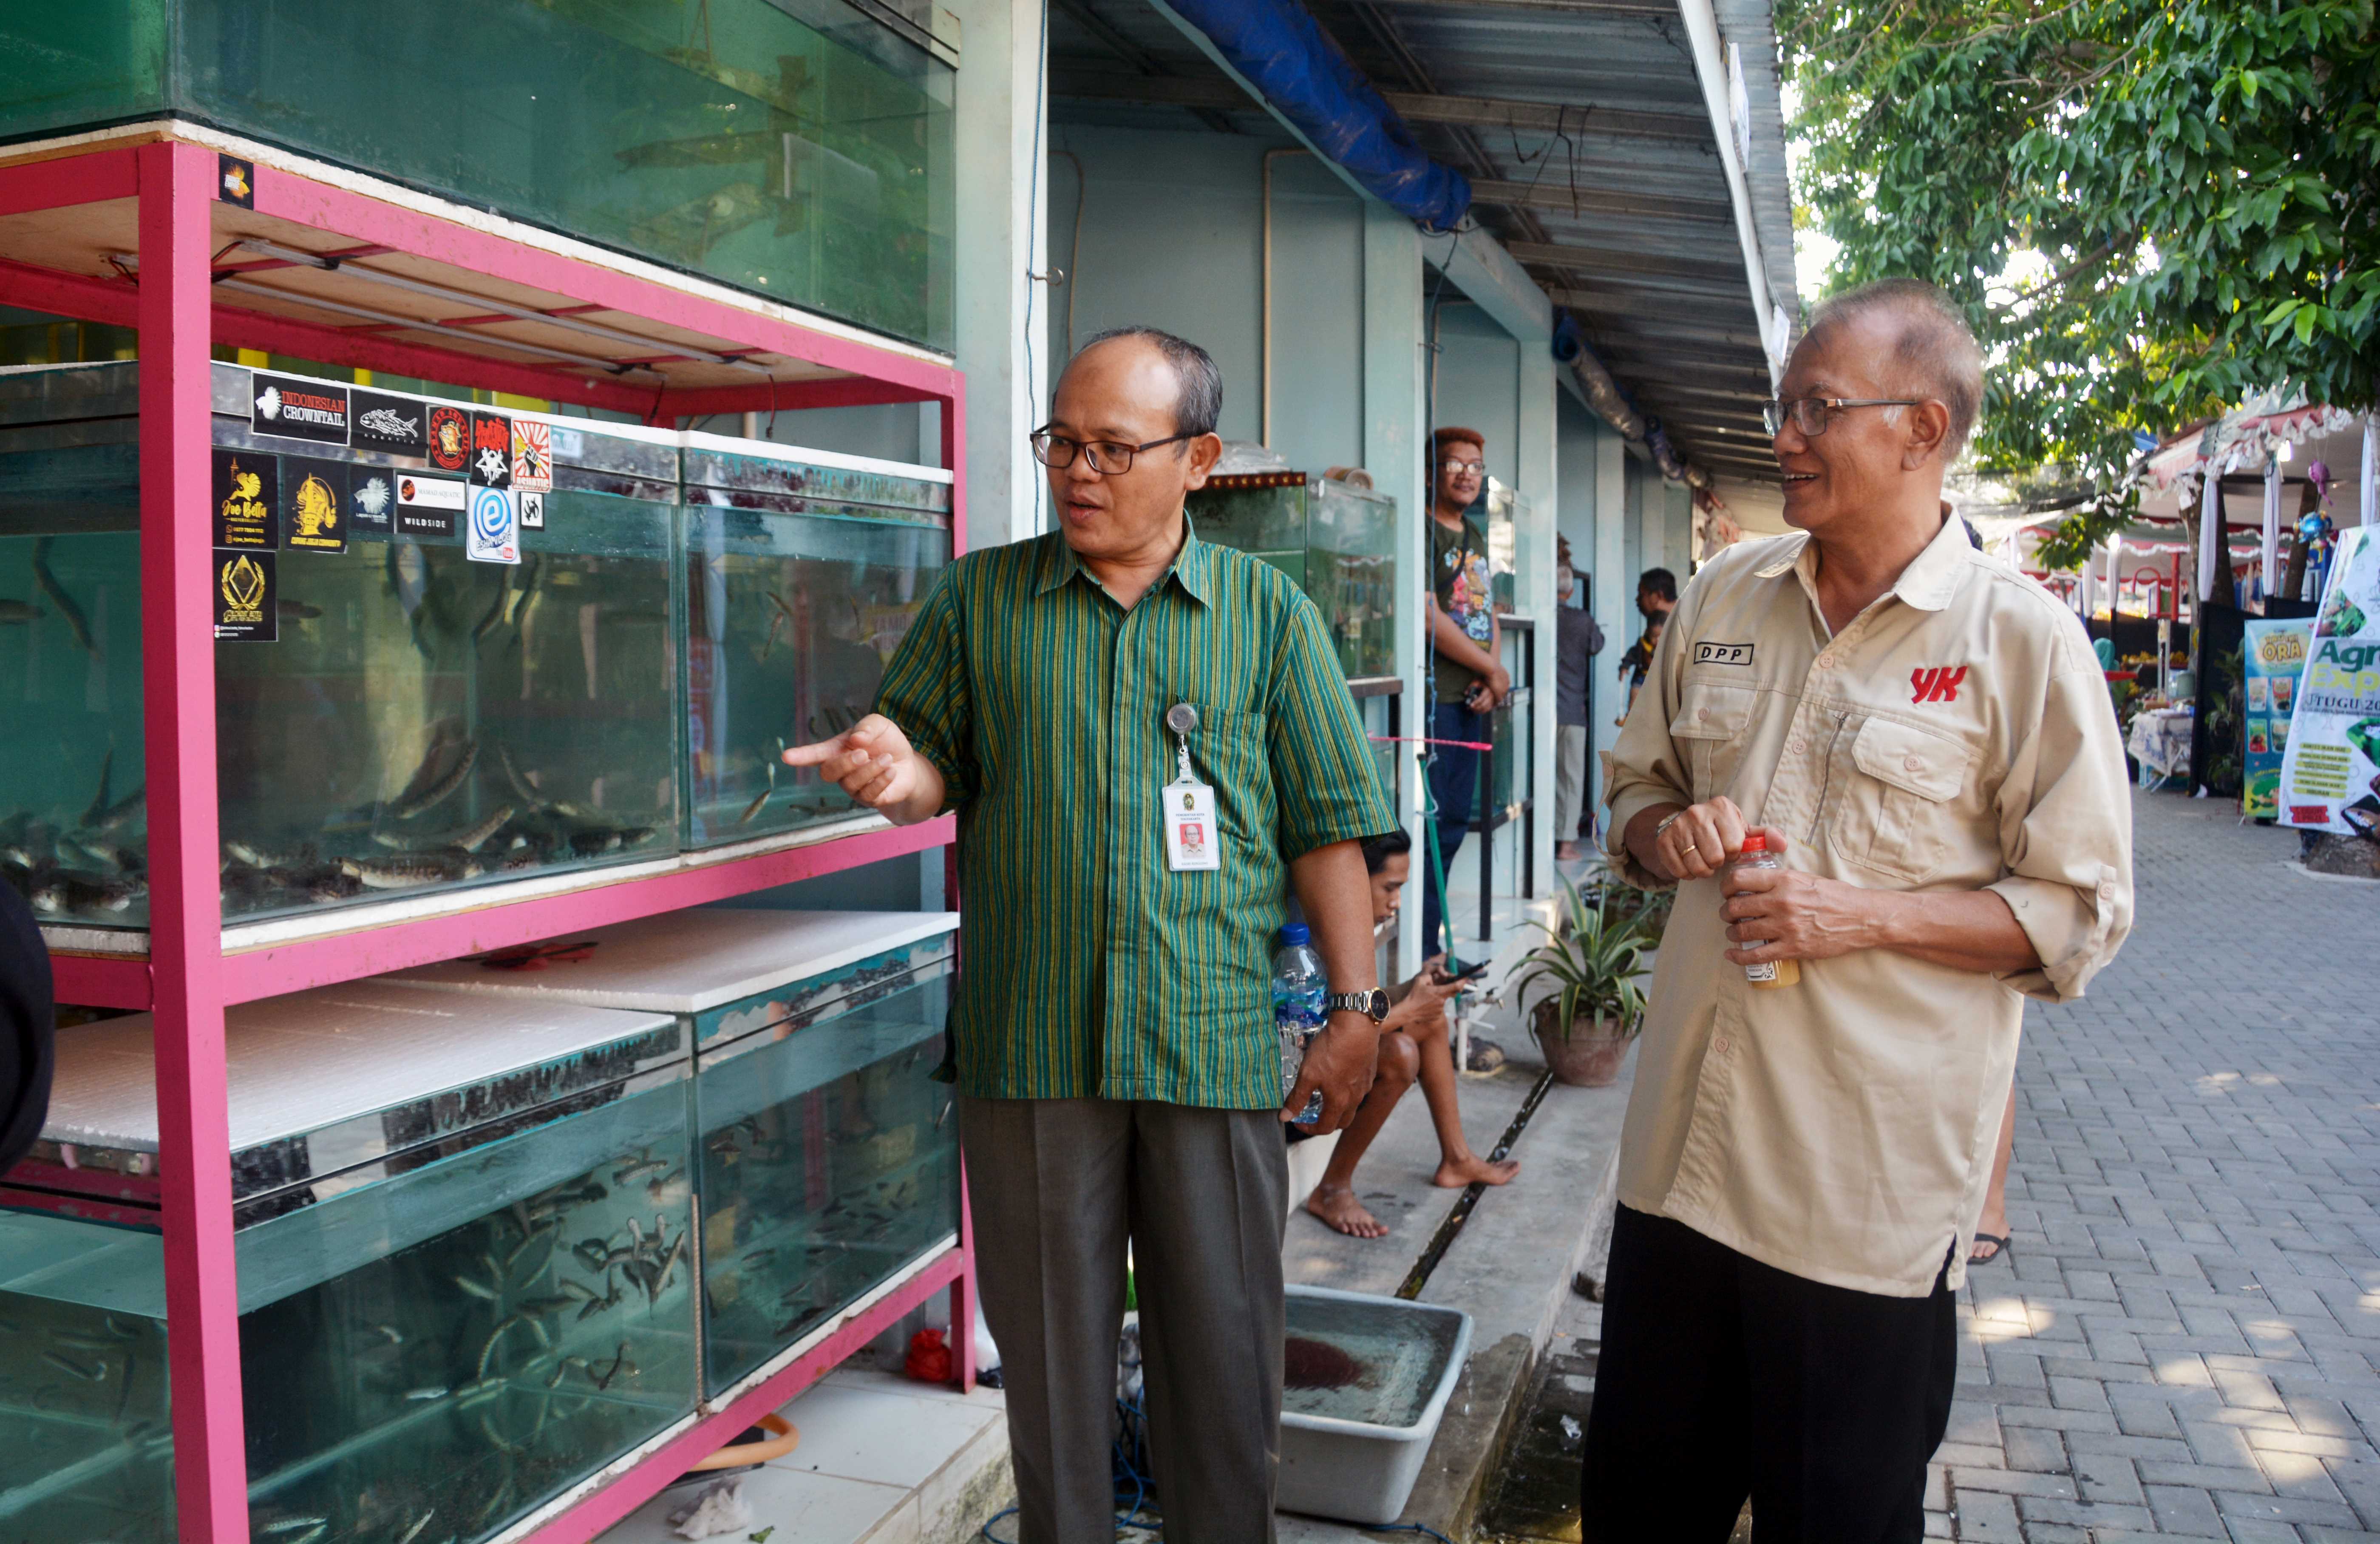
2185	1341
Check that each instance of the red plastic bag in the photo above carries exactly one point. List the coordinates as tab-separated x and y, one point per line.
929	1359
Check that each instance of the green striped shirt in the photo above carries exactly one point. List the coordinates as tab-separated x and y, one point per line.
1093	969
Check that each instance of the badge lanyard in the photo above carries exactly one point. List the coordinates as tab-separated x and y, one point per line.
1187	805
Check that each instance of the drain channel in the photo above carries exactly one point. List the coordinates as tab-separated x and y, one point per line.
1459	1214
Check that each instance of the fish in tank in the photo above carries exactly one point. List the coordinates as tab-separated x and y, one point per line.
466	1271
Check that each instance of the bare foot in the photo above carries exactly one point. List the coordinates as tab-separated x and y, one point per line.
1456	1172
1336	1205
1566	852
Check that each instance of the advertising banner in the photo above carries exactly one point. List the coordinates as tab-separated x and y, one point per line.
2274	653
2330	773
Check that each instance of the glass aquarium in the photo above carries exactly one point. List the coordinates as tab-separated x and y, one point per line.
1512	768
468	719
797	149
802	571
73	815
1377	710
466	1268
829	1159
1337	540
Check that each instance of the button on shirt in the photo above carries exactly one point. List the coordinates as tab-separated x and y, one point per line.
1956	735
1092	969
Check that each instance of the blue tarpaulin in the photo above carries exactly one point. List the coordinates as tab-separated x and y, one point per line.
1276	46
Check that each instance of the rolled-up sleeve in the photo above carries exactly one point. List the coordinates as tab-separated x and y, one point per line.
1647	769
2065	836
1321	764
925	691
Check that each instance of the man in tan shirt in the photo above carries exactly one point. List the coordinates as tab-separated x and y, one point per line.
1923	734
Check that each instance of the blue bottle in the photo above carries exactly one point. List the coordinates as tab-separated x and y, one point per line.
1300	994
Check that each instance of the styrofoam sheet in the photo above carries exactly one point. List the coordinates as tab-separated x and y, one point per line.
313	1059
688	961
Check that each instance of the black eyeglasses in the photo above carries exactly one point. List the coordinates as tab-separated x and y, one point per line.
1456	468
1812	414
1108	457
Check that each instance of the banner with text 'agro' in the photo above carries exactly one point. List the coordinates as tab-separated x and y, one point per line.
2330	777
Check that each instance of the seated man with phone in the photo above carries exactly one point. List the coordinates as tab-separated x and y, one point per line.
1414	1047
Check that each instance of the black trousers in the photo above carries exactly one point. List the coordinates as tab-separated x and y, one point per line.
1721	1378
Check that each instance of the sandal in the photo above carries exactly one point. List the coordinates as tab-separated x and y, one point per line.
1999	1246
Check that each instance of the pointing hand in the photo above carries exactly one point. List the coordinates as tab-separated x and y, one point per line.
875	764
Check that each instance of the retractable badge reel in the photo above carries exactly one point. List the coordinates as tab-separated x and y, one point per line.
1192	839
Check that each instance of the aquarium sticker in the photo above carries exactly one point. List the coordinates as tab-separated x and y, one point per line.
492	451
235	181
532	511
248	499
372	500
314	505
428	505
450	438
399	425
297	407
494	535
532	456
246	608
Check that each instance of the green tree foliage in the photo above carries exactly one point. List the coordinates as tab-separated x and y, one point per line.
2199	182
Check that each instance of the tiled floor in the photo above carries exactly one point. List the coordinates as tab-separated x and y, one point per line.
881	1460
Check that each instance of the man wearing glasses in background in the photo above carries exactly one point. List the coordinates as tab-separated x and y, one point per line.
1469	645
1148	740
1922	735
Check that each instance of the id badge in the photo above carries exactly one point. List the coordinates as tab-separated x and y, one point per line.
1192	839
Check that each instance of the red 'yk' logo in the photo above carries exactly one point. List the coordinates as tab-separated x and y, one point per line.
1937	683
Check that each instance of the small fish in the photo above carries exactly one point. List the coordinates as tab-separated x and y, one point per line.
477	1289
291	1524
624	1175
395	1336
656	1189
421	1523
754	807
435	1392
85	1343
55	594
439	789
97	1374
18	614
407	870
580	1291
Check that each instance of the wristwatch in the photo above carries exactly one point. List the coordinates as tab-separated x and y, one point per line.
1374	1004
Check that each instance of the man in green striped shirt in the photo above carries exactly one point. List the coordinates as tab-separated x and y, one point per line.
1120	1074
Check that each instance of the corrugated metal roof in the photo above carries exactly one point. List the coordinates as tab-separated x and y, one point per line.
1627	220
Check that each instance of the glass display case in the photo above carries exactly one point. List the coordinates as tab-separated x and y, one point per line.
1504	508
828	1164
464	1255
1513	766
73	812
797	149
802	571
1337	540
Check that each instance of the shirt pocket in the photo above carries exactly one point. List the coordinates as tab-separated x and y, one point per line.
1713	723
1900	810
1227	752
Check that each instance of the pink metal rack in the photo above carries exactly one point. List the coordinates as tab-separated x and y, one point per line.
67	216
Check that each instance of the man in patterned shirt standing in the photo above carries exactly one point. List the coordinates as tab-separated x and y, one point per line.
1146	740
1468	649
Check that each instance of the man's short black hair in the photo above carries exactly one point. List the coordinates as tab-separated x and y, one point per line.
1378	849
1200	402
1660	581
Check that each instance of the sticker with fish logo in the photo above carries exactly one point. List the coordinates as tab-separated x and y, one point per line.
398	425
532	456
494	536
450	438
297	407
492	451
372	500
244	597
248	499
314	505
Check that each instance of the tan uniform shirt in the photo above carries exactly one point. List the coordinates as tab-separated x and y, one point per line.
1956	735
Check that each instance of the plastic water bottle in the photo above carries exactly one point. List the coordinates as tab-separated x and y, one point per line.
1776	973
1300	993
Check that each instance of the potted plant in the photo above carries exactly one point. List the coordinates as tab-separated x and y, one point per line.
1594	958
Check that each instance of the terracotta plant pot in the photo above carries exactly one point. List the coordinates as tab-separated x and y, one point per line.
1588	1057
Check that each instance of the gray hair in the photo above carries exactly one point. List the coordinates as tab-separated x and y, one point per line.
1200	401
1935	352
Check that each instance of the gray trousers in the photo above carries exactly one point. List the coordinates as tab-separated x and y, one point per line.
1058	1187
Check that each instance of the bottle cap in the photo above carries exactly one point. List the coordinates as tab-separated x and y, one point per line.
1755	843
1295	933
